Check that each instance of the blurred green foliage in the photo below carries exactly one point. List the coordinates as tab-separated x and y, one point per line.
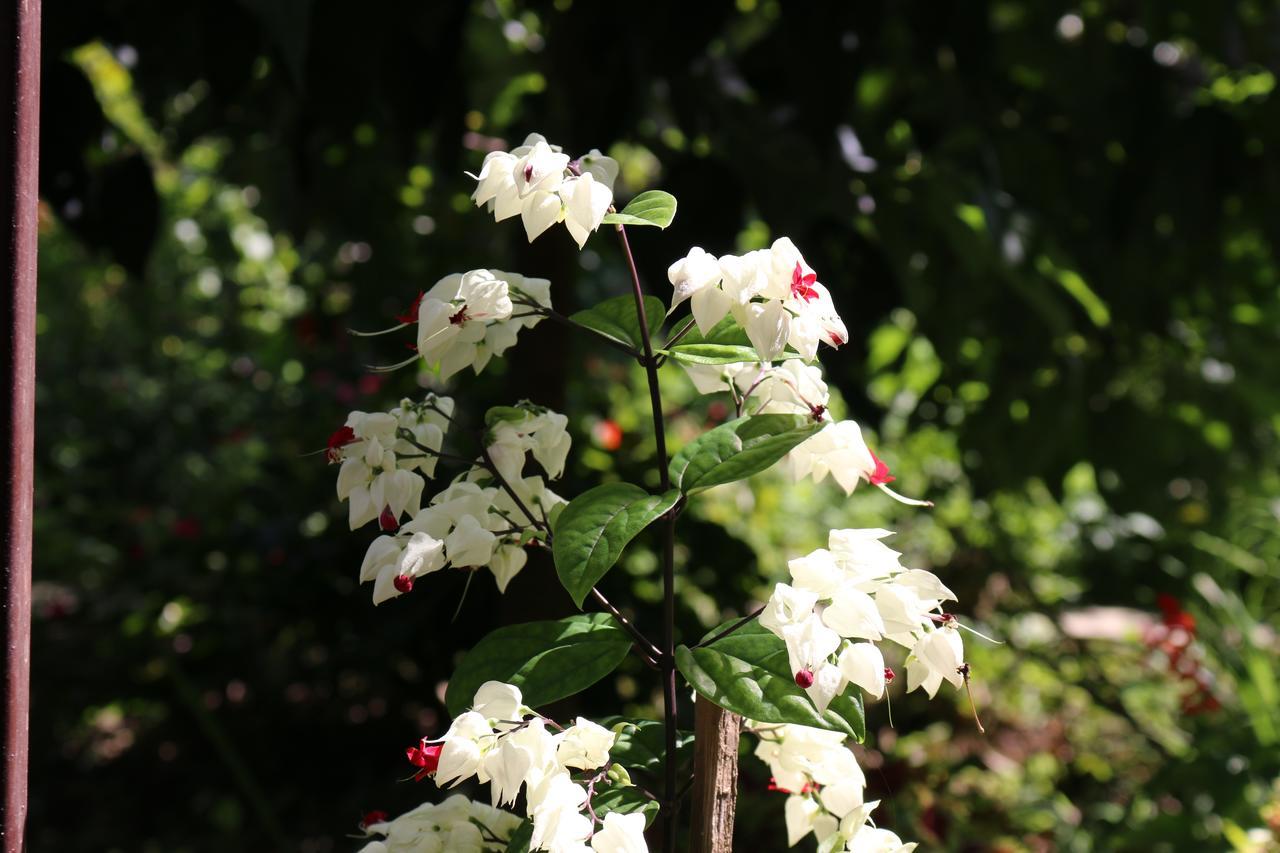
1048	227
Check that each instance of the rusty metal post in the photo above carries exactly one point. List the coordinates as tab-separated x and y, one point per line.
19	154
715	775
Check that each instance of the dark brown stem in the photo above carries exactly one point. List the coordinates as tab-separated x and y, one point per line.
648	650
735	626
667	661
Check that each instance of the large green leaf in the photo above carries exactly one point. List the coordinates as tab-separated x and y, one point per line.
546	660
738	449
625	800
594	528
654	207
641	744
748	673
616	318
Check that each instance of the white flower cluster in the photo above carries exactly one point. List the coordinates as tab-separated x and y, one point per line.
467	318
540	183
378	461
791	387
526	428
466	526
475	521
825	788
509	746
845	598
457	824
772	293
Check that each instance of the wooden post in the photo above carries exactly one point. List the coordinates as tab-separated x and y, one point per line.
19	158
715	775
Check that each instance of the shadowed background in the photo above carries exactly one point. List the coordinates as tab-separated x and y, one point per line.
1048	228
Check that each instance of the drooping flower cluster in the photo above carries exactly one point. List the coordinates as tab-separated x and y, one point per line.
502	742
845	598
467	318
772	293
544	186
456	824
484	517
379	459
825	788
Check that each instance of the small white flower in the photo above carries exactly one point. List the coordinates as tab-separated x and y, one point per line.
469	544
863	665
621	833
586	200
585	745
498	701
464	746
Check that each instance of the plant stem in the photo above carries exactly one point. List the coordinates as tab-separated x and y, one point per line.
550	314
735	626
648	650
667	662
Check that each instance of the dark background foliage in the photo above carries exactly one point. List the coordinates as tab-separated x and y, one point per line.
1048	228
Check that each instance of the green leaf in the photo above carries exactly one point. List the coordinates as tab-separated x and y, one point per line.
748	673
616	318
546	660
649	208
713	354
520	838
641	744
724	343
624	800
738	449
594	528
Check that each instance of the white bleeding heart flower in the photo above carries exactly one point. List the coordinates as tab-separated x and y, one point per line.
585	745
863	664
620	833
841	451
495	700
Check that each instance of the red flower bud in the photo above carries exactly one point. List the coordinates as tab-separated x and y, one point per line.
804	678
403	583
889	675
388	521
373	817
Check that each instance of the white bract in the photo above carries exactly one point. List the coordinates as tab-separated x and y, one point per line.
541	184
773	294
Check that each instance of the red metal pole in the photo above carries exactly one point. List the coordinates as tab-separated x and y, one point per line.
19	154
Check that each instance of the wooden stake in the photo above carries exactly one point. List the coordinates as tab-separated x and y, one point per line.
715	774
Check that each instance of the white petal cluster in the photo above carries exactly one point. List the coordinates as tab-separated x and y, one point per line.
378	461
845	598
510	747
526	428
540	183
457	824
469	525
841	451
467	318
825	788
772	293
791	387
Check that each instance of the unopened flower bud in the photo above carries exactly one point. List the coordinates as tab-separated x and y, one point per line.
388	521
804	678
889	675
403	583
